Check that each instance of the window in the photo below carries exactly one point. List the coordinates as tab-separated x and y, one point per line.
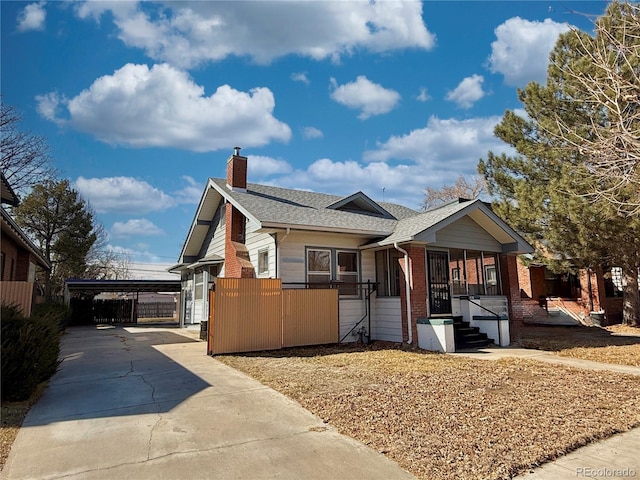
613	282
199	285
327	265
456	264
474	272
491	284
318	266
263	262
31	276
348	273
388	272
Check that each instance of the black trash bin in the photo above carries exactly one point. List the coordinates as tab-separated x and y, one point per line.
204	328
598	319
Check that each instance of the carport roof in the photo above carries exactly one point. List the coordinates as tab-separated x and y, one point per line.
122	286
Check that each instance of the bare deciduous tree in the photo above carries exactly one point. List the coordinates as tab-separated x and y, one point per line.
605	85
24	159
470	188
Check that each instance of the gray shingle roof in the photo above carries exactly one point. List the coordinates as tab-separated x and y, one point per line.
272	206
408	228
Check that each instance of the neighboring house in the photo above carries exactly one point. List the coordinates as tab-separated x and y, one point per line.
429	267
593	290
20	258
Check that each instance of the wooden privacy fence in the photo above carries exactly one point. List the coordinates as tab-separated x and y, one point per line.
249	315
156	310
18	294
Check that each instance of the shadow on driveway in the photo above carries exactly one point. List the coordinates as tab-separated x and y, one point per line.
114	371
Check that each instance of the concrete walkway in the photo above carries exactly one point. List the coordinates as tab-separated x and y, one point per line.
147	403
615	457
496	353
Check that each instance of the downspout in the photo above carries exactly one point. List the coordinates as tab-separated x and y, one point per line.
407	280
278	243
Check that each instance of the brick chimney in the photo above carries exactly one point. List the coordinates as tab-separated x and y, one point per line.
237	263
237	171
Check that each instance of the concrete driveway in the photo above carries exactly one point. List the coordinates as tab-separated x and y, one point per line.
138	403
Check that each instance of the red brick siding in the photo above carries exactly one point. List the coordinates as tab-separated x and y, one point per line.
237	171
418	285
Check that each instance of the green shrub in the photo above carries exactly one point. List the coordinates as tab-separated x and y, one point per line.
59	312
30	350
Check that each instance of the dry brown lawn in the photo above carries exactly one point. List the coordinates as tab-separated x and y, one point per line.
619	344
443	417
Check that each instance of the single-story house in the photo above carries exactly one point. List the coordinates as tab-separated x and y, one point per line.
19	257
454	262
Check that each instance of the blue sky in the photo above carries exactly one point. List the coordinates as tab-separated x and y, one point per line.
141	102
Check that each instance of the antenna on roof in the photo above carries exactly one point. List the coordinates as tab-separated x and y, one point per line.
383	188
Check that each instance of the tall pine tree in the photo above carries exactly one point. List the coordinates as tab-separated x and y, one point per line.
551	191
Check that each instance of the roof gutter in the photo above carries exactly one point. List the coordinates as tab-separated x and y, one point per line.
407	280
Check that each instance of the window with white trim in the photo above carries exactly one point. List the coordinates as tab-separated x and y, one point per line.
348	272
263	262
318	266
388	272
326	265
199	285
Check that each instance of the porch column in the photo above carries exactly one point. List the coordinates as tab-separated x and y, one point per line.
418	293
511	289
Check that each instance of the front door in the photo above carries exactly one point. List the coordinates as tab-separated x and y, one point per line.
439	294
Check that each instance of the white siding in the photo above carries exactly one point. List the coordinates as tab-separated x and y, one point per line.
257	242
386	322
466	234
292	269
292	251
215	242
351	311
198	311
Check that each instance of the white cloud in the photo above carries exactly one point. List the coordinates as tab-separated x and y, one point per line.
123	194
161	106
261	166
49	106
189	33
135	227
521	49
399	169
301	77
32	17
423	96
368	97
312	132
191	193
467	92
444	147
402	183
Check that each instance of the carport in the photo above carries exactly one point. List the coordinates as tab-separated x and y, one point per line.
79	295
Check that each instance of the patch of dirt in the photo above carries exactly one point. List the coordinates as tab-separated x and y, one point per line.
618	344
12	414
443	417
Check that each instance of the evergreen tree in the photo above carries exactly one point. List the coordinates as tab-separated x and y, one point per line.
555	190
62	226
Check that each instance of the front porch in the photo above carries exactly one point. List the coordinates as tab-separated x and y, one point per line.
476	321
